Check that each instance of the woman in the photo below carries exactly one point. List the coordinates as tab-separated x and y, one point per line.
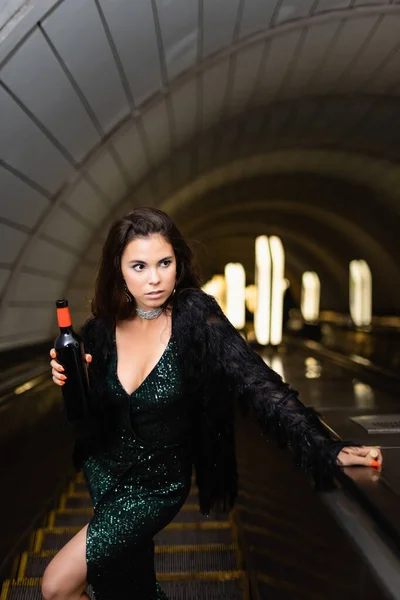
166	368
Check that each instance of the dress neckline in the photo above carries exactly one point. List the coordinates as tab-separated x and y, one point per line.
147	376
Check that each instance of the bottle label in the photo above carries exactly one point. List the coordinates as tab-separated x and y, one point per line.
64	317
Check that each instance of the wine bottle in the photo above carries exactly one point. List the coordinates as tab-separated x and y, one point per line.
71	355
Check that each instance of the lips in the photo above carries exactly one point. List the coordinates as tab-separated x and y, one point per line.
155	293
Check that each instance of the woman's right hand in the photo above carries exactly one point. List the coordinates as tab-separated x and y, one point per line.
57	370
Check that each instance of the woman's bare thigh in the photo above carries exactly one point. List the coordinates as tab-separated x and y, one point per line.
66	573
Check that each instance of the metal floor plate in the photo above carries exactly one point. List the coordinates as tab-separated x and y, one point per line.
378	423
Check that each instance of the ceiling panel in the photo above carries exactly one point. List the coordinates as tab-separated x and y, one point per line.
132	27
293	9
316	44
387	78
155	123
80	315
353	35
163	180
214	88
366	2
79	300
331	5
142	197
4	275
21	203
61	226
179	29
19	135
76	31
19	323
85	201
247	65
381	47
204	149
129	148
227	141
83	276
219	18
281	52
43	255
184	102
11	243
33	288
48	94
256	16
182	167
273	129
108	177
93	252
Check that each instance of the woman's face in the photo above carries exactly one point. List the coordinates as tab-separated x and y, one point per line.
148	266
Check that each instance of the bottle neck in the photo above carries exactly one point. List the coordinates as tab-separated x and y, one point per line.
64	319
66	330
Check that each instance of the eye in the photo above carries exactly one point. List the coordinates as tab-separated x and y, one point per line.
138	267
166	263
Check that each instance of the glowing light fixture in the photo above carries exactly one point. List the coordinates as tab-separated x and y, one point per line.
310	296
263	283
251	298
216	287
363	395
235	278
279	286
360	293
277	366
271	286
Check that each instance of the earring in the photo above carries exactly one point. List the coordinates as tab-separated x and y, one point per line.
128	295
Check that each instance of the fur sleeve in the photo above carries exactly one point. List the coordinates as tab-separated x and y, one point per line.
276	403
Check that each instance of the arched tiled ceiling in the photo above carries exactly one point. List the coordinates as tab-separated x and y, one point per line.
172	103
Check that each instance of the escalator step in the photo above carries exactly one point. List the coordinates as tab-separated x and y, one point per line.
203	590
76	486
186	561
175	590
28	589
73	518
78	502
198	533
170	537
55	540
82	500
195	516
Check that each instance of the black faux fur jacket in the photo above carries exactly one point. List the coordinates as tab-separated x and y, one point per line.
217	366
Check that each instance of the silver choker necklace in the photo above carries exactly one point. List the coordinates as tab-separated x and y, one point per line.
148	314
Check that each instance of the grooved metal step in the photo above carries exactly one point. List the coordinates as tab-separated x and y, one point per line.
174	533
83	500
79	517
204	590
168	560
76	501
195	556
169	537
234	589
378	423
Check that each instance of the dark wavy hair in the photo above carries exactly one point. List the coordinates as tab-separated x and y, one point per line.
110	300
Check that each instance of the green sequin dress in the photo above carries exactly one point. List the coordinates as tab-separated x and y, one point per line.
139	482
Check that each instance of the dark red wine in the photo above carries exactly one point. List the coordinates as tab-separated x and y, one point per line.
71	355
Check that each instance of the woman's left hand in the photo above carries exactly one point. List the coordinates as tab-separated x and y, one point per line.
367	456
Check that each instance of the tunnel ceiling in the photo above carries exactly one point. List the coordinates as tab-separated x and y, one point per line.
238	117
